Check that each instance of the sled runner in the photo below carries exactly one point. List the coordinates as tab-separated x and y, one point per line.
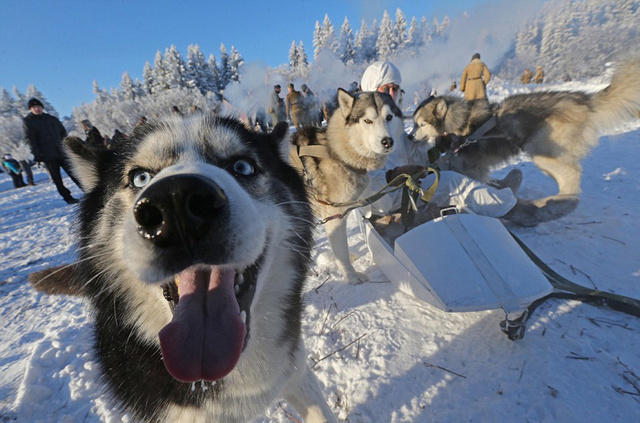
460	262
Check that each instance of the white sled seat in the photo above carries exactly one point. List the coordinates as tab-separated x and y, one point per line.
460	263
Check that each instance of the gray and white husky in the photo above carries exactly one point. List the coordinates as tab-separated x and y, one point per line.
556	129
358	139
195	239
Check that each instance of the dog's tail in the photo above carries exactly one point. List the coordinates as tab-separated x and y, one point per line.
620	101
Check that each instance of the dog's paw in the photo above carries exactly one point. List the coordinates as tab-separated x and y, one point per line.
357	278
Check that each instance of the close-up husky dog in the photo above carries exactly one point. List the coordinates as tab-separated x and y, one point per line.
557	129
195	240
358	138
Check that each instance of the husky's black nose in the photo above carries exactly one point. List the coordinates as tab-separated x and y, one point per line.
387	142
178	210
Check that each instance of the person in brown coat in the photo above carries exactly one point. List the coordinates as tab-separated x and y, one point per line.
475	78
526	77
295	107
539	75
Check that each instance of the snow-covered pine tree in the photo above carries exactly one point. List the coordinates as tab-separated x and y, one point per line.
20	101
225	68
148	81
443	29
386	43
7	105
215	85
318	40
139	89
550	46
303	60
294	58
197	71
235	63
346	50
400	30
12	136
426	32
372	37
127	87
412	42
159	79
329	33
174	68
11	133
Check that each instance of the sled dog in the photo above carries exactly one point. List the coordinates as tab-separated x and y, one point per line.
195	239
357	139
557	129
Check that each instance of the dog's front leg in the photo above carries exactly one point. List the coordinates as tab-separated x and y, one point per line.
337	234
304	394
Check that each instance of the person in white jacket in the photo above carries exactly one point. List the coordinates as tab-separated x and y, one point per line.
454	189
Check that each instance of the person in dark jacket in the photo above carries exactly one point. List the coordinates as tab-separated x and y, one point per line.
311	111
44	134
94	137
12	167
276	106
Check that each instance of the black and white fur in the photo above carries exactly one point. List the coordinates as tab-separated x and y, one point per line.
206	199
359	137
557	129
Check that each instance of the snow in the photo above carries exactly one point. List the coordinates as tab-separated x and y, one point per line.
381	355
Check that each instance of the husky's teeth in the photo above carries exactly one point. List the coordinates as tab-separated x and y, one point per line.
236	288
240	278
243	316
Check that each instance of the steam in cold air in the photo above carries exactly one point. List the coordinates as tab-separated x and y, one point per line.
489	30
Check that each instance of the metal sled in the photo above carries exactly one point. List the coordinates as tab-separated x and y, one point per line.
460	262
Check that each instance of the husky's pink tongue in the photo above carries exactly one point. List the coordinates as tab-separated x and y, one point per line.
205	338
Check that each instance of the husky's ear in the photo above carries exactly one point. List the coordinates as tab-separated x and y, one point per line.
84	161
345	102
279	138
441	108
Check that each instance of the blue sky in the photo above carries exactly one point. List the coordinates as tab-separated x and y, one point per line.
62	46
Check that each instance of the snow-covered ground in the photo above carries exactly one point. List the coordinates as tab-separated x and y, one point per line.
382	356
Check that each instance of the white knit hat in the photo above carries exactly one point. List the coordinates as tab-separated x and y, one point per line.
378	74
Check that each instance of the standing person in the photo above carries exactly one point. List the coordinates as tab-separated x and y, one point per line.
44	134
276	106
475	78
526	76
23	155
12	168
295	109
312	114
26	166
539	78
94	137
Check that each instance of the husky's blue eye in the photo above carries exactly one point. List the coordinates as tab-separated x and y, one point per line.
140	178
243	167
